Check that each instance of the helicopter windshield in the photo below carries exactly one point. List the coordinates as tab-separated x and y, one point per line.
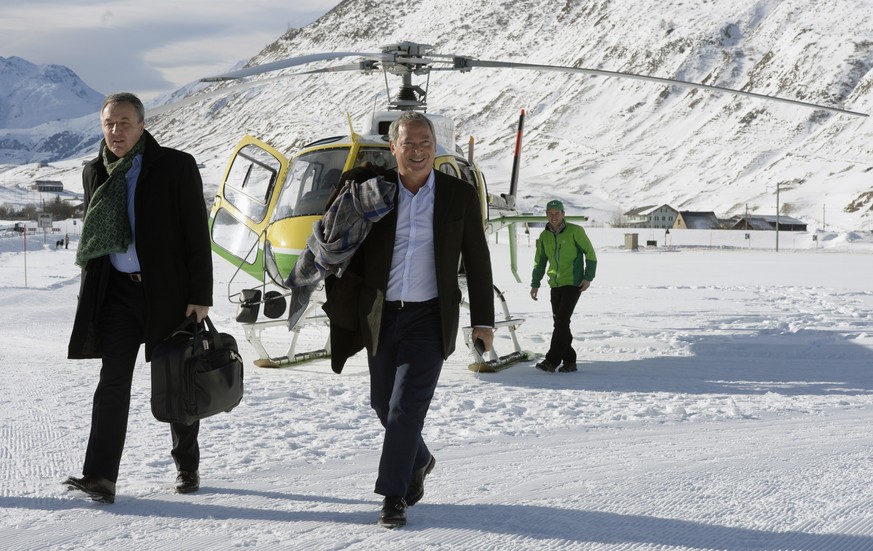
379	157
314	175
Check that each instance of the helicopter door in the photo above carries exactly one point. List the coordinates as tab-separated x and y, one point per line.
243	201
467	173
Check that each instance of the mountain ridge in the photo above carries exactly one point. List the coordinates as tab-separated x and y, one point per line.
603	145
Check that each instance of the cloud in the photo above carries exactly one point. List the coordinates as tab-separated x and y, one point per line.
148	47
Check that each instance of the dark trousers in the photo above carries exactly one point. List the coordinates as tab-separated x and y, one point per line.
564	301
122	331
403	375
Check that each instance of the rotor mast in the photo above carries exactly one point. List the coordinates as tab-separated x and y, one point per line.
410	97
405	59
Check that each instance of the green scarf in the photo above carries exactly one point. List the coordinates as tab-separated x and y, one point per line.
106	228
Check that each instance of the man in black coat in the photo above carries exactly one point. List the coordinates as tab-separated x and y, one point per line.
400	298
146	266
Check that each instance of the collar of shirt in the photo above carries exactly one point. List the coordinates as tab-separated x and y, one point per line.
559	230
128	261
413	269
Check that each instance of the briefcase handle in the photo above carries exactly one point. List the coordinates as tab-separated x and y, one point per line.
204	337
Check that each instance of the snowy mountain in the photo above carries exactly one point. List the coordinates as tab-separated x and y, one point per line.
604	145
33	94
37	103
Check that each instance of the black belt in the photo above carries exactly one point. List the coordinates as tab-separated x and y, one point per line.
403	304
136	277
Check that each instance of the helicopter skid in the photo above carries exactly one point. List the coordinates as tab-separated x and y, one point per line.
299	358
501	363
291	357
496	363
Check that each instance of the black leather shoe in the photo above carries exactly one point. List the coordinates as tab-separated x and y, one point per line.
568	367
546	366
98	488
187	482
393	512
416	486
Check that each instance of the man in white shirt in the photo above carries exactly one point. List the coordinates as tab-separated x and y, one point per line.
400	298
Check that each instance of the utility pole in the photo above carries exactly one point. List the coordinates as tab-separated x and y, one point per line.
25	253
777	217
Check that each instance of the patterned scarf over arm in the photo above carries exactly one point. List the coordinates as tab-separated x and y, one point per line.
106	228
337	236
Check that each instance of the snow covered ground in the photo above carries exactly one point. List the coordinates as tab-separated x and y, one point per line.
725	402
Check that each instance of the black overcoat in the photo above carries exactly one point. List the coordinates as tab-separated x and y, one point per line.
172	244
354	301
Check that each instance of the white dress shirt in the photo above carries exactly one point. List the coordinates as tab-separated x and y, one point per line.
413	269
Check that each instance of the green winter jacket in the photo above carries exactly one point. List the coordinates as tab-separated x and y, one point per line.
569	255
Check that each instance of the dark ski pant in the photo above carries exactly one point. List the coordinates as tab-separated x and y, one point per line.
403	376
564	301
122	331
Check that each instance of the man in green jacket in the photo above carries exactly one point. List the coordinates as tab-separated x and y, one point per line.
571	260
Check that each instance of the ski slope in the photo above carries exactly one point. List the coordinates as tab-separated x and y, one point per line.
724	402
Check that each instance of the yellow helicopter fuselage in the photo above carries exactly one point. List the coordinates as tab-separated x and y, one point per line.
267	203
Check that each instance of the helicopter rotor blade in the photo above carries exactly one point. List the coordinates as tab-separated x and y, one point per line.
364	66
408	58
197	98
285	63
464	64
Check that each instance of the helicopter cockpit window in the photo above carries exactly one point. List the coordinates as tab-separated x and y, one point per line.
380	157
250	181
311	179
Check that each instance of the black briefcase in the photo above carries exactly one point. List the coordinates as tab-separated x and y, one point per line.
196	372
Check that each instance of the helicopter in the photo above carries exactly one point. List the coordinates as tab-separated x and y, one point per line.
267	203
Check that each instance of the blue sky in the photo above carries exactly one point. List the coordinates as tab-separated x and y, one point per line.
148	48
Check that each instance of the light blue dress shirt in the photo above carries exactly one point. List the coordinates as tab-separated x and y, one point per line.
128	262
413	268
